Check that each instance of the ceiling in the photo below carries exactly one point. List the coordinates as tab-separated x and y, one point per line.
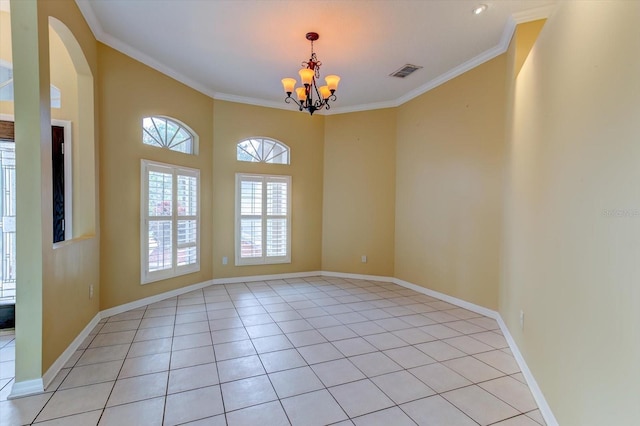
239	50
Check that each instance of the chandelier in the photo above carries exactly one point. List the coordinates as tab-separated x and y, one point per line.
309	73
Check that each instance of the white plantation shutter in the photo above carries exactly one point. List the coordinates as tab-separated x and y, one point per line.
251	217
187	216
159	232
277	207
263	220
170	228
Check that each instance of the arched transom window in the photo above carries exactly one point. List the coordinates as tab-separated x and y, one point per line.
6	86
263	150
165	132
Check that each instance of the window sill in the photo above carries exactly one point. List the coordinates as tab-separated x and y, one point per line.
72	241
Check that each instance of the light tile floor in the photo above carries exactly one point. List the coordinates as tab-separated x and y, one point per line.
311	351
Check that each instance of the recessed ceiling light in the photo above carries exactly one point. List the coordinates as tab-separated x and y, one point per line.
479	9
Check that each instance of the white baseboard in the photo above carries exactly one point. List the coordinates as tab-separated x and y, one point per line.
378	278
26	388
449	299
547	414
62	360
31	387
153	299
252	278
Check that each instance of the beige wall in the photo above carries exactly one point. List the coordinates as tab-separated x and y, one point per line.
571	266
450	148
304	135
359	192
523	40
64	77
130	91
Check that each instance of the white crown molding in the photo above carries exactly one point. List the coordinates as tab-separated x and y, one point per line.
451	74
363	107
255	101
290	107
542	12
134	53
117	44
500	48
92	20
507	35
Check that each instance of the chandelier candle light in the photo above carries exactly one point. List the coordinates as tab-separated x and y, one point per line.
308	74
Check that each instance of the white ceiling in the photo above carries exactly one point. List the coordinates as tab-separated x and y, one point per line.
239	50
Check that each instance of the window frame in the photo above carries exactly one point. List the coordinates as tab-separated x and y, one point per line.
175	270
264	259
180	124
276	142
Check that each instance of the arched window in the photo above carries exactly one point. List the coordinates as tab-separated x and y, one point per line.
56	97
263	150
165	132
6	85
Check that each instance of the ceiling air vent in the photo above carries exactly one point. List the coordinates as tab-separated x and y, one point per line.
405	71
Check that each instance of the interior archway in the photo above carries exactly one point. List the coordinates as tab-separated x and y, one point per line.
82	116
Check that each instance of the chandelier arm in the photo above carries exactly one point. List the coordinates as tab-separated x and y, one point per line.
320	100
288	100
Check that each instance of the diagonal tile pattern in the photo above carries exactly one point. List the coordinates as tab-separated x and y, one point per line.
305	351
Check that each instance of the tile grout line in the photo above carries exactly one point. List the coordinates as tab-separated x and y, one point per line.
262	363
327	290
173	331
57	387
215	357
